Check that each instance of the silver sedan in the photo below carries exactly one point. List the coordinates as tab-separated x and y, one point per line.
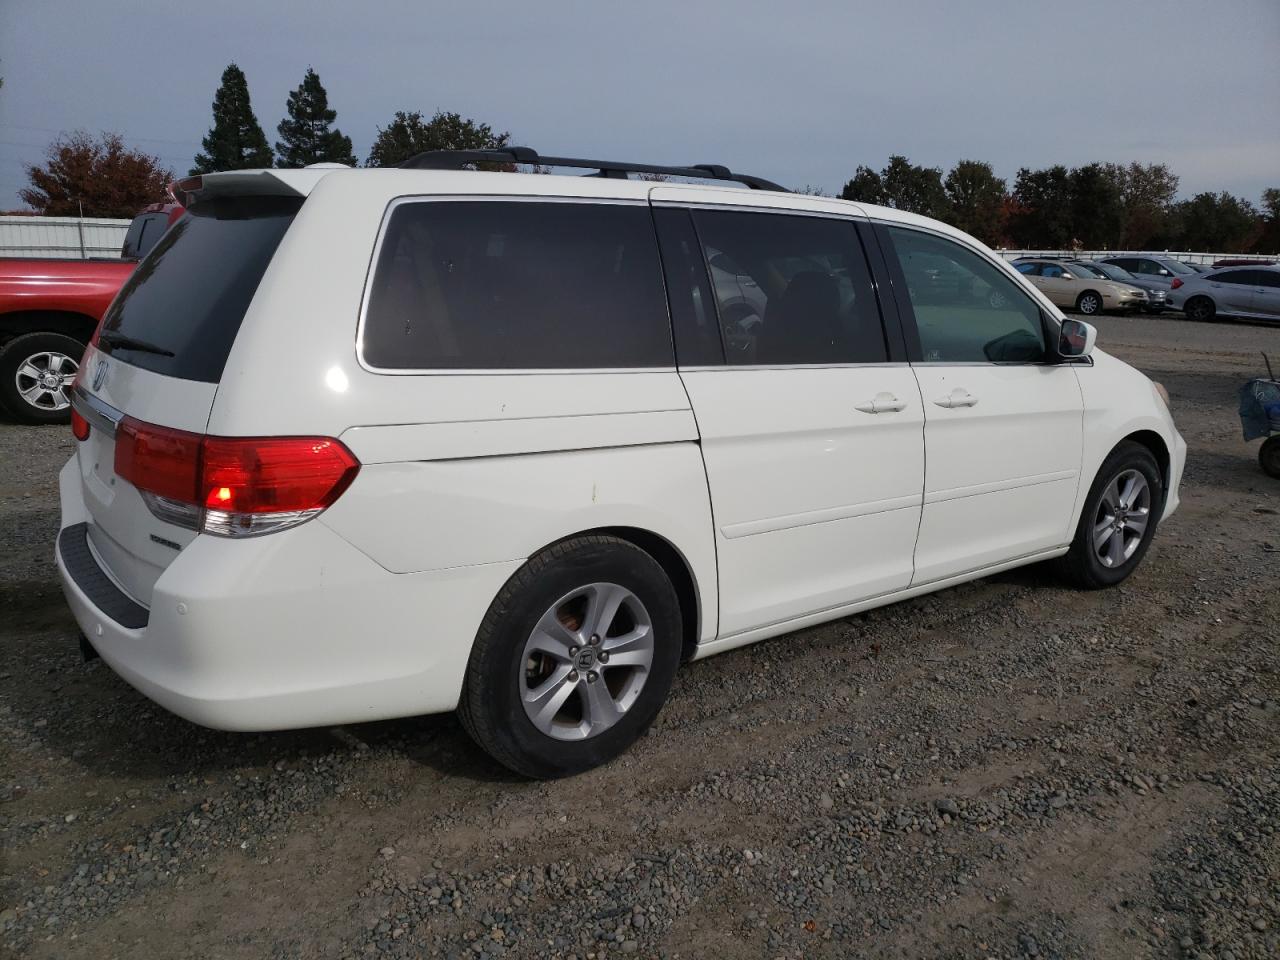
1248	292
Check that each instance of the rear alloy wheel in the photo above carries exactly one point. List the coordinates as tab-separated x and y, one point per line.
1269	457
1200	310
574	659
36	374
1089	303
1119	519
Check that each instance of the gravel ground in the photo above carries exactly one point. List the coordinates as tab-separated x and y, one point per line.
1005	769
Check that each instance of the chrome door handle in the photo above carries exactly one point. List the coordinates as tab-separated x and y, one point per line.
881	403
959	397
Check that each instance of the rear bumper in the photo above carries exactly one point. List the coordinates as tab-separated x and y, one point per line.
293	629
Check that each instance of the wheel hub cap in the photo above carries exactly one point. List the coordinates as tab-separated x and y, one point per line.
1122	517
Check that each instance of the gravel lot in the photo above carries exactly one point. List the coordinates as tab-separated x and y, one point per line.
1005	769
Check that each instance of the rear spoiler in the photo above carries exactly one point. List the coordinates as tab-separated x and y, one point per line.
252	183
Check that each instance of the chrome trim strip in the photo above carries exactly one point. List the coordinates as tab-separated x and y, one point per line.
749	367
98	412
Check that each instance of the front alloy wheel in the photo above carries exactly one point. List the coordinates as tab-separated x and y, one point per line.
1121	519
1089	304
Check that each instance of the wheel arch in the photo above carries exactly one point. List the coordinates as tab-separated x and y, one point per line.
79	326
674	564
1159	449
1102	301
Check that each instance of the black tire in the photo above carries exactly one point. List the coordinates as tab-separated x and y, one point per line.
13	356
490	708
1200	310
1082	565
1089	303
1269	457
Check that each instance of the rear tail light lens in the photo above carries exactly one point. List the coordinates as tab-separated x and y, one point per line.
79	425
232	486
1176	283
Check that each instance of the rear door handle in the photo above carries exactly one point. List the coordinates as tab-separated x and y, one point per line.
959	397
881	403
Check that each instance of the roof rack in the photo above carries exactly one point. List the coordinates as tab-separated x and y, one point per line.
459	159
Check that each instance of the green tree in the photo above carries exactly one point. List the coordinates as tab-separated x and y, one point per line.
94	178
1147	192
1041	214
865	187
1269	237
236	141
1220	223
408	134
913	188
976	198
305	134
1097	207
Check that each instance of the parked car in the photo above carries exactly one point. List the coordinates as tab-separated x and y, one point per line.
1242	262
48	310
360	444
1197	267
1157	295
1247	292
1156	270
1082	289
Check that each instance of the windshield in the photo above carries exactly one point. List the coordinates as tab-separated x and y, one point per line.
1175	266
1087	270
180	311
1112	272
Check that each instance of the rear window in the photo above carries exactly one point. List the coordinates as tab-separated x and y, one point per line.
479	285
190	293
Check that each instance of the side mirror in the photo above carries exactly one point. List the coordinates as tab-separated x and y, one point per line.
1077	338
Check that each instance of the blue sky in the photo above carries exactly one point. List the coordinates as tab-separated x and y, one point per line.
800	92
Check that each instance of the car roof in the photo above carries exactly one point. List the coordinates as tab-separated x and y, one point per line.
397	182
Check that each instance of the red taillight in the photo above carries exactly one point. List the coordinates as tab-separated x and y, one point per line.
79	425
233	485
1177	282
274	474
159	460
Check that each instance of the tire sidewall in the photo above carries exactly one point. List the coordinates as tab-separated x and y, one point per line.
13	353
1201	303
589	563
1125	457
1269	457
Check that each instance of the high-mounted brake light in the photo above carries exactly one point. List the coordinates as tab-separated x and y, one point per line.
232	486
1177	282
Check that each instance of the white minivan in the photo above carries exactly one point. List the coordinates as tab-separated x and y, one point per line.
361	444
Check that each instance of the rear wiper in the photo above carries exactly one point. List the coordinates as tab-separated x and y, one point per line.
113	339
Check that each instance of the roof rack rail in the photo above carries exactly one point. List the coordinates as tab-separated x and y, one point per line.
458	159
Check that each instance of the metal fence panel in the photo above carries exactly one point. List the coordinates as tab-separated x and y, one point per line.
73	238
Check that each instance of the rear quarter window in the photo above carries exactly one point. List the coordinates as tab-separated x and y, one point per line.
494	285
188	296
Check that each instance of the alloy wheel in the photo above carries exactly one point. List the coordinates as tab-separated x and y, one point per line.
1121	521
586	661
1089	304
44	380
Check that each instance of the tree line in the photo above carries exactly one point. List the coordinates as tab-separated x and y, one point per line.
1096	206
1099	206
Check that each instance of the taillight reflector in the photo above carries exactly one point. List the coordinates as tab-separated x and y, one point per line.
227	481
79	425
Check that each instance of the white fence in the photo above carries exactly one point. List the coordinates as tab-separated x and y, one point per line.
1189	256
72	238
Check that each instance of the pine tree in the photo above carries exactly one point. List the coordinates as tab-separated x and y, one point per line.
305	136
236	141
